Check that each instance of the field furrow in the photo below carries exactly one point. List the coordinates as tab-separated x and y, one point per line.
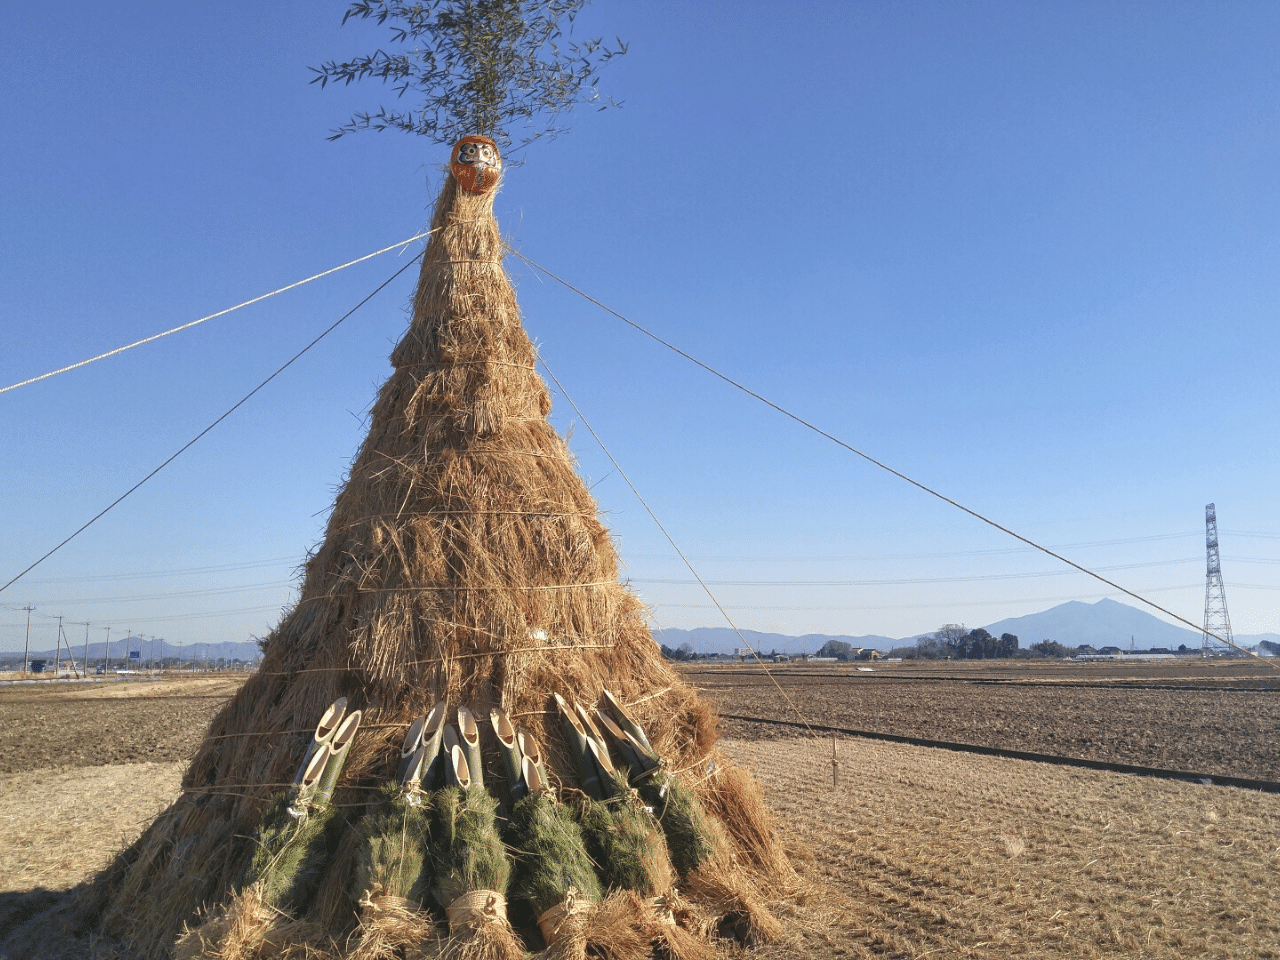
993	858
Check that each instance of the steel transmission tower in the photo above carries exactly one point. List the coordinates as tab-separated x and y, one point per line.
1216	620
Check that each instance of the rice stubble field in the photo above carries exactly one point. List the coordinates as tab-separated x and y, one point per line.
916	852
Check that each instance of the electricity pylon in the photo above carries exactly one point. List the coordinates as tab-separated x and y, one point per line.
1216	620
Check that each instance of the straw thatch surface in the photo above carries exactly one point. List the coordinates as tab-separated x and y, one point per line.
464	560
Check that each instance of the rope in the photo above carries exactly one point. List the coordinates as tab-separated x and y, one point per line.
563	648
212	316
384	906
564	917
476	908
883	466
724	613
288	363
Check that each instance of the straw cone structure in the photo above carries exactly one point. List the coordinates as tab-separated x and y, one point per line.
464	561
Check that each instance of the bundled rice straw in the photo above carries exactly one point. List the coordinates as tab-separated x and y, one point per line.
393	875
626	843
464	561
553	868
471	876
733	796
250	929
682	819
697	844
291	850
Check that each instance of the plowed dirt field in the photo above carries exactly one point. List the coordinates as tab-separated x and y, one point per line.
1212	717
914	853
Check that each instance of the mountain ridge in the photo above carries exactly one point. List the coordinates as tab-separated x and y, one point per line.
1103	623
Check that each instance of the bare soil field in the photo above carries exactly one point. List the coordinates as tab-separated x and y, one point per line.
51	725
930	853
916	853
1214	717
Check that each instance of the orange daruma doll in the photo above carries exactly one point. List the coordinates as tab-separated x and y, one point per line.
476	164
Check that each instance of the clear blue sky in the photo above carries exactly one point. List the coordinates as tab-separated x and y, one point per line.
1026	253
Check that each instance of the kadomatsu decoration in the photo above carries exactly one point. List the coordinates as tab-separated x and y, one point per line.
465	564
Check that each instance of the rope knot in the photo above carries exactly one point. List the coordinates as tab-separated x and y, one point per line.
475	908
565	917
664	907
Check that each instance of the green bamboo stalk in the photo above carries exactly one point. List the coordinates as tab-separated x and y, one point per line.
323	735
532	778
599	753
298	798
631	754
576	736
512	761
623	720
469	732
432	769
457	770
410	770
532	754
338	750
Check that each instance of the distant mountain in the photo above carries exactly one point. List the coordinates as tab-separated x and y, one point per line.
1106	623
724	640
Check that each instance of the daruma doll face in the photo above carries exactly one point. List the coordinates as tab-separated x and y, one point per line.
476	164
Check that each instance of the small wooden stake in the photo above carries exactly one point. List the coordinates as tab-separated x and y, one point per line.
835	764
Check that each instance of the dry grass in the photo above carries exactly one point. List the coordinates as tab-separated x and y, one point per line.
918	853
59	826
464	560
928	852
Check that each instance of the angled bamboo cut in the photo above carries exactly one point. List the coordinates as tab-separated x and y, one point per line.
464	565
509	749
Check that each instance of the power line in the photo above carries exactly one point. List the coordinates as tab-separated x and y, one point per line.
896	581
866	456
671	540
220	313
288	363
187	571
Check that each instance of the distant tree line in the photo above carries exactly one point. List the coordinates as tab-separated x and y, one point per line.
953	642
842	651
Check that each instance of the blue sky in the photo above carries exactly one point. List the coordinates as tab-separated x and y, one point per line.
1025	253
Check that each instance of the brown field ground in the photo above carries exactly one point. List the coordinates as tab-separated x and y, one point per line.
916	853
1217	716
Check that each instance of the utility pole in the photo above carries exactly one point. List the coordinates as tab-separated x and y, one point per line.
86	650
71	657
26	650
57	649
106	653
